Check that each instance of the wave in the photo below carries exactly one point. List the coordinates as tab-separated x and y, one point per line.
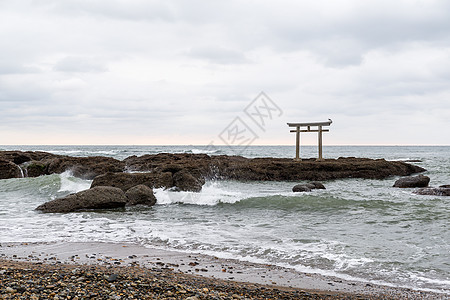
203	151
83	153
215	193
45	187
322	203
71	184
211	194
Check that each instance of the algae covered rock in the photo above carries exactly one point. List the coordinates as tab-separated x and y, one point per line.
101	197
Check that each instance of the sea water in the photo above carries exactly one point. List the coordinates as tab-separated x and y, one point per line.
357	229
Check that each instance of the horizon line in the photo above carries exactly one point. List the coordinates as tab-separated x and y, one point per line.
253	145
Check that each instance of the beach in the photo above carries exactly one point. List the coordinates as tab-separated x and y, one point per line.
127	271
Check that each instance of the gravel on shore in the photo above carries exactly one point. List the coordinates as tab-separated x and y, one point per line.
27	280
127	271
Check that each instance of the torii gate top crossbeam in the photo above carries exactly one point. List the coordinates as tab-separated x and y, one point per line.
328	123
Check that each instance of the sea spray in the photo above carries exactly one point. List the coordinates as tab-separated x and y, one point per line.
71	184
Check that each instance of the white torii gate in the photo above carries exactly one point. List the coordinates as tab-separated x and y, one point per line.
308	126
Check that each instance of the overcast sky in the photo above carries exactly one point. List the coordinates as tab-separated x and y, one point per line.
181	72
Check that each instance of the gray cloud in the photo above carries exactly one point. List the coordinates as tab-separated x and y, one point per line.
159	68
80	64
217	55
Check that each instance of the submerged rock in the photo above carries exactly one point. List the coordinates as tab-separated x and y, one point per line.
412	182
301	188
317	185
440	191
101	197
307	187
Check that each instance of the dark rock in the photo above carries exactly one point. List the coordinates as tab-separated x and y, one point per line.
101	197
140	194
307	187
270	169
20	157
445	186
9	169
317	185
279	169
301	188
184	181
34	168
181	180
168	162
47	163
112	277
126	181
412	181
85	167
441	191
219	167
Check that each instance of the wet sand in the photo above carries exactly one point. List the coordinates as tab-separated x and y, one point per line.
128	271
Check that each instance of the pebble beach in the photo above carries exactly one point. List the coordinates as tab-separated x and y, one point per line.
121	271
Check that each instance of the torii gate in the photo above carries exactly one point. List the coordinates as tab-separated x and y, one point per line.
308	129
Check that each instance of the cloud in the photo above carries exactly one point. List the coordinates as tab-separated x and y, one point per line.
79	65
116	9
8	67
156	69
217	55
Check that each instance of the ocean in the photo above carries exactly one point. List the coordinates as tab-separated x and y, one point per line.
356	229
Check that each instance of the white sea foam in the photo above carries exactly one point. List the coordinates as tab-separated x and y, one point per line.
211	194
71	184
430	280
202	151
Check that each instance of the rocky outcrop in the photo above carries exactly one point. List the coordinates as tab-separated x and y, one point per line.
412	182
219	167
140	194
179	181
20	157
102	197
307	187
85	167
270	169
276	169
126	181
185	181
34	168
43	163
9	170
440	191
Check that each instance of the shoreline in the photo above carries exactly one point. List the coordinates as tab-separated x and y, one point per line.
203	268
